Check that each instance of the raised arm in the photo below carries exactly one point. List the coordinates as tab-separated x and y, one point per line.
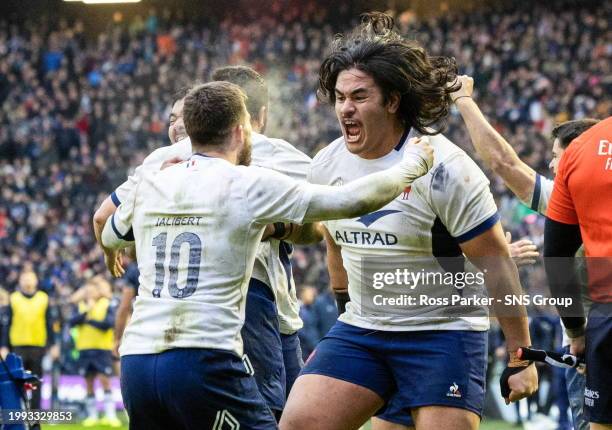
370	192
494	150
298	234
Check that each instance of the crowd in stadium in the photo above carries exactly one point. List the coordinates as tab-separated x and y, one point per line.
79	111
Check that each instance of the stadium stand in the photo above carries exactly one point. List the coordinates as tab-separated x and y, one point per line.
78	109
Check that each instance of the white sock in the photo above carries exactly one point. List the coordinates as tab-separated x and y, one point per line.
109	405
90	403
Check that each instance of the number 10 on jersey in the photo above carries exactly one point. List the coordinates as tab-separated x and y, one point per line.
193	267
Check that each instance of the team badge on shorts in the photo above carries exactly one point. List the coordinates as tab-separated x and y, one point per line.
453	391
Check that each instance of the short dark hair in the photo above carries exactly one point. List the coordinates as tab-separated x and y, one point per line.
250	81
569	130
211	111
182	92
398	66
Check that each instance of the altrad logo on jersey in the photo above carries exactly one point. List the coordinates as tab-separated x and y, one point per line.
371	218
366	237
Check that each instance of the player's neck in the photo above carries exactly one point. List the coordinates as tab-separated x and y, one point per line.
387	142
230	156
215	152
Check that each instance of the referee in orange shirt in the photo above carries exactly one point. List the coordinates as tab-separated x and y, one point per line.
580	211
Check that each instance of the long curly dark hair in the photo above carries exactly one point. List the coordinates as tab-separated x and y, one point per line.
397	65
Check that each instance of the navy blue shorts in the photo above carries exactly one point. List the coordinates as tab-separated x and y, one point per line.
598	356
407	369
192	388
292	356
95	361
262	344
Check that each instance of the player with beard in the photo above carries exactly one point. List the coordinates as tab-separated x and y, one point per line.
196	226
176	133
271	345
425	368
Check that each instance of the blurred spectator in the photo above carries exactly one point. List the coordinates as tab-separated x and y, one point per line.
94	319
308	335
325	312
78	120
28	327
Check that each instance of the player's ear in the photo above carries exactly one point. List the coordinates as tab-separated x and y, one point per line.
262	117
239	133
393	102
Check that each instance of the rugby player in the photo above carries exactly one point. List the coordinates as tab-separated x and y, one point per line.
272	310
533	189
113	258
181	352
579	213
427	372
275	358
176	134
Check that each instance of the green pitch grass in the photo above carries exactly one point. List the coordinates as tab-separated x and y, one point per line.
486	425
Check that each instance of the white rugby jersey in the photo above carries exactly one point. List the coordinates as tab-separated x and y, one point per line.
272	263
542	191
449	205
197	226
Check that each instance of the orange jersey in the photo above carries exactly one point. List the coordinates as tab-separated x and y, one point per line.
583	195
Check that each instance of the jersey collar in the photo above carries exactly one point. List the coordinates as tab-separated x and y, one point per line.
402	140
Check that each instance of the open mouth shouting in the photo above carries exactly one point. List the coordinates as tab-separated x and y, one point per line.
352	130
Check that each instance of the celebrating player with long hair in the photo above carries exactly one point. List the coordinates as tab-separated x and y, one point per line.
426	371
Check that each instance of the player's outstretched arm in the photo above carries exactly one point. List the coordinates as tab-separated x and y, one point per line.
489	252
370	192
298	234
306	234
494	150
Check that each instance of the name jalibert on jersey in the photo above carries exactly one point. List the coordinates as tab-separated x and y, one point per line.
178	220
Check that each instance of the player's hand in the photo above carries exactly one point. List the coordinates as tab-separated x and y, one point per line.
466	90
577	347
4	351
418	157
115	351
524	251
522	384
113	261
